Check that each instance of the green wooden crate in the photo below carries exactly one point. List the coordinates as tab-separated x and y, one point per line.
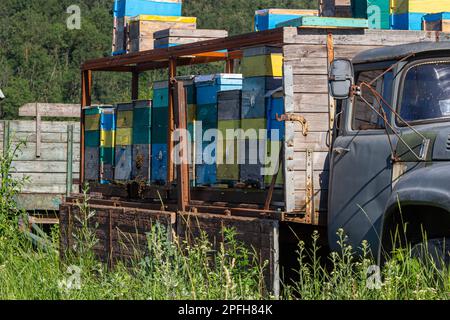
326	22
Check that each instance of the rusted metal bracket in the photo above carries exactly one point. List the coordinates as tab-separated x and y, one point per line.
309	198
295	117
331	101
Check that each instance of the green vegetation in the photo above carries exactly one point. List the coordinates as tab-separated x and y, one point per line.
40	57
31	268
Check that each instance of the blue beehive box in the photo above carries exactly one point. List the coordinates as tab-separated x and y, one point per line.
159	163
208	85
266	19
254	95
407	21
276	107
130	8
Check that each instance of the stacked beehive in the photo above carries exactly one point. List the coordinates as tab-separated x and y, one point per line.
124	142
408	14
99	133
266	19
142	123
124	10
262	71
437	22
174	37
191	100
143	27
159	130
336	8
207	88
228	122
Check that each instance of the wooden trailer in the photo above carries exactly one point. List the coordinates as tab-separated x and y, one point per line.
48	156
262	218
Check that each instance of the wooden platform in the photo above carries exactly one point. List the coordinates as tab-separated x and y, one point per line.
122	232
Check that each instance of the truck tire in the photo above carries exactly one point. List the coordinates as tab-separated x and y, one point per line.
436	249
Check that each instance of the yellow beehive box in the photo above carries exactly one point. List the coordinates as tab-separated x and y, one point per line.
124	136
92	122
107	138
263	66
124	119
419	6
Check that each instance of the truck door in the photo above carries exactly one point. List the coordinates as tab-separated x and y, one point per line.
360	181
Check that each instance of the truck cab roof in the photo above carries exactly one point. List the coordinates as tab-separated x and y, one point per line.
393	53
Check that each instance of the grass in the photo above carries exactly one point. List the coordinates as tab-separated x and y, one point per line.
31	268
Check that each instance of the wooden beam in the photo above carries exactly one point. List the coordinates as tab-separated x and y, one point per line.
180	112
135	86
172	81
86	86
274	36
50	110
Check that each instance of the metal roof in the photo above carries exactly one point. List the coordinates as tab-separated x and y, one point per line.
400	51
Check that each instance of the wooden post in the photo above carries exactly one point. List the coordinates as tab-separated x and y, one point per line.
180	112
86	85
135	86
172	75
229	67
69	174
38	131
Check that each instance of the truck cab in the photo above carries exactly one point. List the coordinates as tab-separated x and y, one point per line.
390	159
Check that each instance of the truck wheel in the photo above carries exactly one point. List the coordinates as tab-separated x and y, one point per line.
436	249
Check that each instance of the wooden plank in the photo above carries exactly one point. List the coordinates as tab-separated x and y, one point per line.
316	141
50	110
43	166
297	51
46	126
356	37
189	33
311	83
39	201
49	152
42	178
46	188
309	66
310	102
46	137
316	122
288	88
326	22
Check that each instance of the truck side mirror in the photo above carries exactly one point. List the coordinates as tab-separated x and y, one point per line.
341	78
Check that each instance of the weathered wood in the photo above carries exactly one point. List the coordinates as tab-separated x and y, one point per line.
191	33
46	126
42	166
260	235
50	110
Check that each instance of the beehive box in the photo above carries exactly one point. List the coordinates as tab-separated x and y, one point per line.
124	10
143	27
124	142
142	122
437	22
207	89
266	19
408	14
99	132
174	37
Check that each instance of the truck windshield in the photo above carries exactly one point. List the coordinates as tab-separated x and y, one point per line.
426	92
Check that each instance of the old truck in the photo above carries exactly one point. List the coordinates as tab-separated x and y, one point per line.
389	168
346	162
